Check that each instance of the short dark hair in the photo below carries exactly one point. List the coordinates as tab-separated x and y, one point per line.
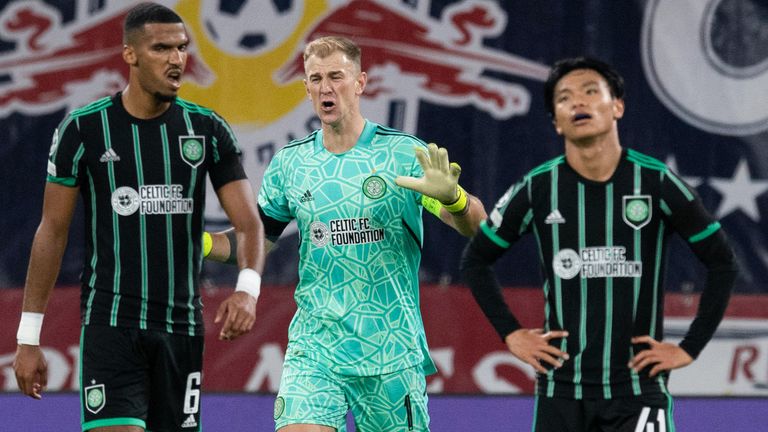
147	13
562	67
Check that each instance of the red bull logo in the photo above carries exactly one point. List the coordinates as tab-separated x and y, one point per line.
409	55
58	65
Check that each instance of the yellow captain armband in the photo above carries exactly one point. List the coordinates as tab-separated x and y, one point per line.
207	243
431	205
460	204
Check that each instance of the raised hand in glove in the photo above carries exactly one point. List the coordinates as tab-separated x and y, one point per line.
441	177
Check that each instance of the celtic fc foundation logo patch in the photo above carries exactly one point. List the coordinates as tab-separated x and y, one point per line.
192	149
374	187
637	210
95	398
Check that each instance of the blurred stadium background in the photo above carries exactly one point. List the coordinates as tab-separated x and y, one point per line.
466	74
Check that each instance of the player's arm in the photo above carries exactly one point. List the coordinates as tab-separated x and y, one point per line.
529	345
222	246
465	219
442	195
239	310
718	258
48	248
709	243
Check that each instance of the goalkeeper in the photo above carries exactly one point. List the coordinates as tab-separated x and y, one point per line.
356	190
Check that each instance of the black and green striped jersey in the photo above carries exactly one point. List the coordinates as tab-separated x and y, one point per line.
143	188
602	251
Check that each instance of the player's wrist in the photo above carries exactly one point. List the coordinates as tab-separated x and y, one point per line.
460	205
455	196
249	281
29	328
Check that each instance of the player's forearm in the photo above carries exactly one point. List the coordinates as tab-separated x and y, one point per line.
224	246
722	269
467	222
44	263
477	272
220	247
250	246
712	305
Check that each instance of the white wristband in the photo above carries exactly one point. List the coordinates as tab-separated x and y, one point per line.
29	328
249	281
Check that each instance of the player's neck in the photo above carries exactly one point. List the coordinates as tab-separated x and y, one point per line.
342	136
141	104
595	159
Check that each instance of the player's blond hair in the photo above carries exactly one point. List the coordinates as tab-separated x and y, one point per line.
327	45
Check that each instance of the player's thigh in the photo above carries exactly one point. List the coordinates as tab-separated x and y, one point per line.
175	365
391	402
113	379
641	413
309	396
553	414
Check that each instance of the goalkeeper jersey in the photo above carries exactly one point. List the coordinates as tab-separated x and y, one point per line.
360	248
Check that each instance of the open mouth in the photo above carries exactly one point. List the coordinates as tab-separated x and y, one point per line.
327	105
174	77
580	116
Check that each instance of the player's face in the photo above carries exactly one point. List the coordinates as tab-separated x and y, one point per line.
584	106
334	85
158	56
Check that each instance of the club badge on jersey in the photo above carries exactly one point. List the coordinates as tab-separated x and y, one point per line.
192	149
637	210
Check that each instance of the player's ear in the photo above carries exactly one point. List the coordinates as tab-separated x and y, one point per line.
129	55
618	108
360	82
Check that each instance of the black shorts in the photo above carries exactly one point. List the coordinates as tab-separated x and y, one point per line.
140	378
628	414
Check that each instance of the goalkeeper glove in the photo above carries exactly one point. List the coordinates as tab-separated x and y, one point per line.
440	181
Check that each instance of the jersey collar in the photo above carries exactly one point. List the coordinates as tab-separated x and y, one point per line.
363	142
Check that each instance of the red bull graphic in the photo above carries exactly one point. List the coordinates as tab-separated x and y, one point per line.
444	59
410	57
56	66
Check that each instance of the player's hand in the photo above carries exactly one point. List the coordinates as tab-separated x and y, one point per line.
532	346
238	312
664	356
441	178
31	370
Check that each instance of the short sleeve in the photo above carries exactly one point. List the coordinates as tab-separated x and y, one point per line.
272	198
684	210
510	216
65	158
226	166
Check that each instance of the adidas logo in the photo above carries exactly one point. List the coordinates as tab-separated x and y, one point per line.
554	218
189	422
306	197
109	156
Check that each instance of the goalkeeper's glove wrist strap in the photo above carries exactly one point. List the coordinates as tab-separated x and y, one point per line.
461	204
